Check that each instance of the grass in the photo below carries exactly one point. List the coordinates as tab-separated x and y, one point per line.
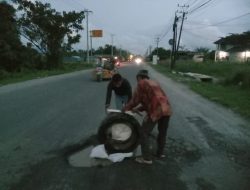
8	78
229	93
232	97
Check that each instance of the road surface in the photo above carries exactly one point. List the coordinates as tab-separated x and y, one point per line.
42	119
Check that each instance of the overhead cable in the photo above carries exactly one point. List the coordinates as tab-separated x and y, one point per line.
190	12
225	21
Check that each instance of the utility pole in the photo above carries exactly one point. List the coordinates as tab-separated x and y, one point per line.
157	44
174	42
87	25
91	54
112	39
150	49
183	17
120	51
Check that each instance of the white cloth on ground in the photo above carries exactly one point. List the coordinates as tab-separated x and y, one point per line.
100	152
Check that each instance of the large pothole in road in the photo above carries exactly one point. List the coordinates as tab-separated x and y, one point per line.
118	133
82	158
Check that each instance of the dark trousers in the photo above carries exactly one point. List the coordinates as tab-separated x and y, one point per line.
147	127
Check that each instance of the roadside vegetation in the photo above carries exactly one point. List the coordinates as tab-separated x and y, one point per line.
13	77
231	89
35	41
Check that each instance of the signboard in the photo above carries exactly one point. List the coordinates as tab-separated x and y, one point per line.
96	33
171	42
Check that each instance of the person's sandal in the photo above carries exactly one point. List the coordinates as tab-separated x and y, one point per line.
142	161
160	156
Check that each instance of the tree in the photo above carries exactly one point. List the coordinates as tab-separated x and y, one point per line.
10	44
51	32
162	53
203	50
106	50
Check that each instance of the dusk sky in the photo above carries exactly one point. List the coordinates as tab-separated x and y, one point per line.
136	24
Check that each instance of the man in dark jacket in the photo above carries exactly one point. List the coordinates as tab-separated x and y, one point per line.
122	90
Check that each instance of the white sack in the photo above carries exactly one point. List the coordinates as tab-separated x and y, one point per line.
118	157
100	152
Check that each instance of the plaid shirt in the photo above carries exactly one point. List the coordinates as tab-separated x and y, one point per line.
152	98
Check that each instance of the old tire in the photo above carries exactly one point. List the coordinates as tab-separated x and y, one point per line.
119	132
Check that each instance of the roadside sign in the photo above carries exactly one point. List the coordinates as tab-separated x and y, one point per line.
171	41
96	33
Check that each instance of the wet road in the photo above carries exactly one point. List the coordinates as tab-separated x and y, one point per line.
41	120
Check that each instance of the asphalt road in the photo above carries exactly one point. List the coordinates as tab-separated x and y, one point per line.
41	120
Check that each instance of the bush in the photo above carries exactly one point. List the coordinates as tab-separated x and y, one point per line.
241	78
3	74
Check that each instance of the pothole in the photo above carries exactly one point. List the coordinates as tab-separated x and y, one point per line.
82	158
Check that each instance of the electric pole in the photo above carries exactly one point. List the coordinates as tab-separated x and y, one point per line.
172	63
176	43
91	54
157	44
120	51
87	25
112	39
182	20
150	50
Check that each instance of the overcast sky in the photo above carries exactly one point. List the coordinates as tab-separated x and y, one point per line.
136	24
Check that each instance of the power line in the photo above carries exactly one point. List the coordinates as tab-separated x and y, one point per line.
229	20
225	21
205	9
197	35
195	9
193	3
165	33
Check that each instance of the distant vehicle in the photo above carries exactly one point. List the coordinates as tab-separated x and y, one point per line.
138	60
104	70
117	61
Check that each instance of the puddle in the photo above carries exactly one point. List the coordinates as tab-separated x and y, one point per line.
82	158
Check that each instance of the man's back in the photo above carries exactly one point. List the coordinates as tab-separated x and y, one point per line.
121	87
124	89
153	98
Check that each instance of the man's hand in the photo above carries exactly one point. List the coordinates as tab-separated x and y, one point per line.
136	110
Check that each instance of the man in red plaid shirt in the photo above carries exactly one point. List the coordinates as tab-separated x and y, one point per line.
149	97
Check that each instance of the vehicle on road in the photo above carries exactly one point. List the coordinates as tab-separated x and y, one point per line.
104	70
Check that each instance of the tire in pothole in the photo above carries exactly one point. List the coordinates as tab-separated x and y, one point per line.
119	132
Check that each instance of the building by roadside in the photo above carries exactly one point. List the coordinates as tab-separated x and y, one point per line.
233	48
